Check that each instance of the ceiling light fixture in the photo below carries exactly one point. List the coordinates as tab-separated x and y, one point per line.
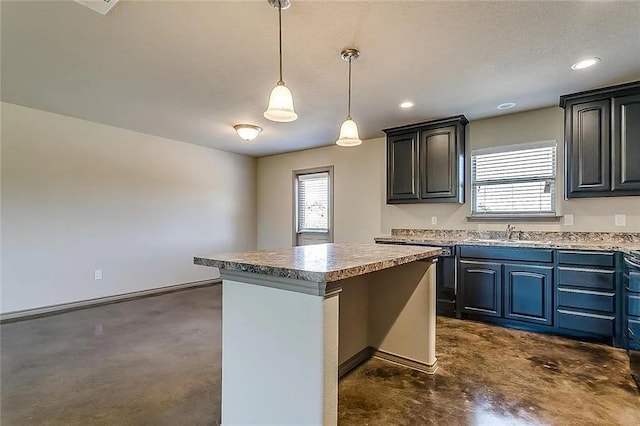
349	129
281	101
585	63
406	104
248	132
506	105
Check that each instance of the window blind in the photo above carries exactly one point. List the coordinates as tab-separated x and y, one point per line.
313	202
519	179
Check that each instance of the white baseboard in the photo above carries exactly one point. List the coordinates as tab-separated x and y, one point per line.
362	356
82	304
406	362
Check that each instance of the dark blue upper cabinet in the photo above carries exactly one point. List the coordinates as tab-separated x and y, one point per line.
426	162
527	293
402	167
602	141
626	144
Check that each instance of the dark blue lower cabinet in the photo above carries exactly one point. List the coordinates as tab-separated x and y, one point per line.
588	322
527	293
480	285
526	288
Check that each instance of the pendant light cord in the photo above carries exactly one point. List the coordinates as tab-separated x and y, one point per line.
280	37
349	102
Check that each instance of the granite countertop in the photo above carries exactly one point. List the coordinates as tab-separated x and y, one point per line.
320	262
624	242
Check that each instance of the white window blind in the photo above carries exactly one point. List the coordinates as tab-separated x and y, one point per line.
518	179
313	202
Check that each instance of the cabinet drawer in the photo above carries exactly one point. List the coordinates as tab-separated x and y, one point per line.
632	281
593	278
603	325
586	258
585	299
633	333
507	253
633	304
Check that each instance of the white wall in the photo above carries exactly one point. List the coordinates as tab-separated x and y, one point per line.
361	212
79	196
359	177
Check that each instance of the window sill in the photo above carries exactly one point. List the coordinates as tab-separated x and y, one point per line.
515	217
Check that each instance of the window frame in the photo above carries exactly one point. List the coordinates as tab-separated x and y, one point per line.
310	171
475	214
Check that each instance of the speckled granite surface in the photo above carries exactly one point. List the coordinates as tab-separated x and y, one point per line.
320	262
626	242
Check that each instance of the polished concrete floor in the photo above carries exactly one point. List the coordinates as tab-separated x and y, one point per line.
156	361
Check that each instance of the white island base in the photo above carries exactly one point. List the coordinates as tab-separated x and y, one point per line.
285	342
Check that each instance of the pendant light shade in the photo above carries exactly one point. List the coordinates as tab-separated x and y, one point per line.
281	105
281	101
349	129
349	134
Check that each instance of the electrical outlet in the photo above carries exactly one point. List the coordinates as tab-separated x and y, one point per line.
434	220
97	274
568	219
620	220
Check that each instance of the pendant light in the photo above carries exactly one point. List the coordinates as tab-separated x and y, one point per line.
349	129
280	102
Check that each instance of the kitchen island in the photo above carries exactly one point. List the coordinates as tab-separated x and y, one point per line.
295	319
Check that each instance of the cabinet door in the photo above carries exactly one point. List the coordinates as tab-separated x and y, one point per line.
446	286
438	164
480	288
626	145
527	293
588	149
402	167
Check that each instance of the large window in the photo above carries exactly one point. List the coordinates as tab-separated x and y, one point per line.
313	205
514	180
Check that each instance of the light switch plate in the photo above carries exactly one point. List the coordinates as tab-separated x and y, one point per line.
621	220
434	220
568	219
97	274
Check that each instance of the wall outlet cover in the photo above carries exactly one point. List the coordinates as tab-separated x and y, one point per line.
434	220
97	274
620	220
568	220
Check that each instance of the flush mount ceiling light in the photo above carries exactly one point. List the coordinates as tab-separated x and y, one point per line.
101	6
281	101
248	132
406	104
506	105
585	63
349	129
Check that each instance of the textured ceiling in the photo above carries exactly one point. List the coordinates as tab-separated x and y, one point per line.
191	70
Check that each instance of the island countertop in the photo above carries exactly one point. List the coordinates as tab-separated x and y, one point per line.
321	262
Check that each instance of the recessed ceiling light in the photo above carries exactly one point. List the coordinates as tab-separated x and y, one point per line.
585	63
248	132
406	104
506	105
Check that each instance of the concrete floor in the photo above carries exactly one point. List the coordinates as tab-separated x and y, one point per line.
156	361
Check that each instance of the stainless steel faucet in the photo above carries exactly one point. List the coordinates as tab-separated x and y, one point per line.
510	230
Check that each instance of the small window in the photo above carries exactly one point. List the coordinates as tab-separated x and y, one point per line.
514	180
313	205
